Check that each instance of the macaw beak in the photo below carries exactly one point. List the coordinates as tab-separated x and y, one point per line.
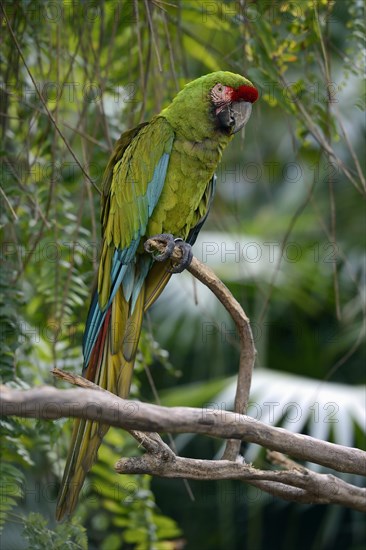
235	115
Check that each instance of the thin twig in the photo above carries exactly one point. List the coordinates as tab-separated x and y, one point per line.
284	241
307	119
328	131
171	52
12	211
152	32
351	150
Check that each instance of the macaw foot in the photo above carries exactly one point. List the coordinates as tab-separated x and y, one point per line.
170	243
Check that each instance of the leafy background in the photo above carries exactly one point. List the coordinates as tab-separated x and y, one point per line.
286	234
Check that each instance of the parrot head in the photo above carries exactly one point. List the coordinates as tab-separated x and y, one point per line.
220	101
232	106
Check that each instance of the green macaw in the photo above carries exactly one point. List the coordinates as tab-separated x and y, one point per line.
159	182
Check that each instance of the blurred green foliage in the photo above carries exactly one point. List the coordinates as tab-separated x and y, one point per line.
294	188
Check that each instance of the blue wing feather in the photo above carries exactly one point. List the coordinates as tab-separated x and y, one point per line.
123	263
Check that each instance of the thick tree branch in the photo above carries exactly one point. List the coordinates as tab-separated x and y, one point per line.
295	484
49	403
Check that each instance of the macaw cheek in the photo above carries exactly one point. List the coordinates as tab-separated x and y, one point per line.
235	115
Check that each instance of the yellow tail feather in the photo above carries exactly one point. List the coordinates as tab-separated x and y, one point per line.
114	373
155	282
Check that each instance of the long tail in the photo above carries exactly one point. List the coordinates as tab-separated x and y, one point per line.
110	366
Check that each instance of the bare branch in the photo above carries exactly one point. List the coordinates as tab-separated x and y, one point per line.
247	350
49	403
320	488
297	484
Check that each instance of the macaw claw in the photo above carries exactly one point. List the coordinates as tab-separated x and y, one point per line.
167	240
170	243
187	256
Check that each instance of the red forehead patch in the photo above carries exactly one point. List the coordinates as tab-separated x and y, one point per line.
244	93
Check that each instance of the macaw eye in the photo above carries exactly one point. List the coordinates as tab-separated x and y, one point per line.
220	95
